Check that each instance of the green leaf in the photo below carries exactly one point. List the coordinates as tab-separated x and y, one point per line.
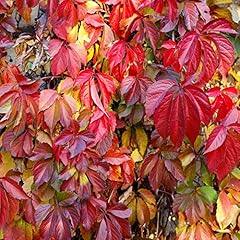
236	173
206	177
236	44
209	194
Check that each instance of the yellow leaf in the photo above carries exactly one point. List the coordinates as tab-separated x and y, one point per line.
83	35
209	129
223	13
219	2
198	143
136	156
7	163
141	139
27	186
236	76
186	157
93	6
72	34
90	53
126	138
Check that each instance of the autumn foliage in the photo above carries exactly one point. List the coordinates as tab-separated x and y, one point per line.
119	119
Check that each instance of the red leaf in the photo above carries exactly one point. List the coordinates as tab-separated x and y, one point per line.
56	108
216	138
77	56
88	214
225	52
12	187
43	171
134	88
194	44
90	83
189	51
155	94
152	33
172	9
42	151
190	15
52	6
158	174
66	57
4	206
210	63
47	98
121	56
5	42
114	225
222	151
95	20
178	110
170	57
60	59
219	25
102	231
222	102
101	125
73	140
55	225
120	211
116	157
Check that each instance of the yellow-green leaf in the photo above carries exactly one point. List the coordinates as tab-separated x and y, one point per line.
136	156
141	139
126	138
7	163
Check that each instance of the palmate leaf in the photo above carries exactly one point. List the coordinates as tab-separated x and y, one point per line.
90	84
143	206
177	111
192	11
73	140
101	124
223	150
19	95
114	224
56	221
161	172
66	57
122	55
10	194
194	203
134	88
197	43
223	101
56	107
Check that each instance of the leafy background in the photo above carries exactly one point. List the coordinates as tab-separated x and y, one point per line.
119	119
